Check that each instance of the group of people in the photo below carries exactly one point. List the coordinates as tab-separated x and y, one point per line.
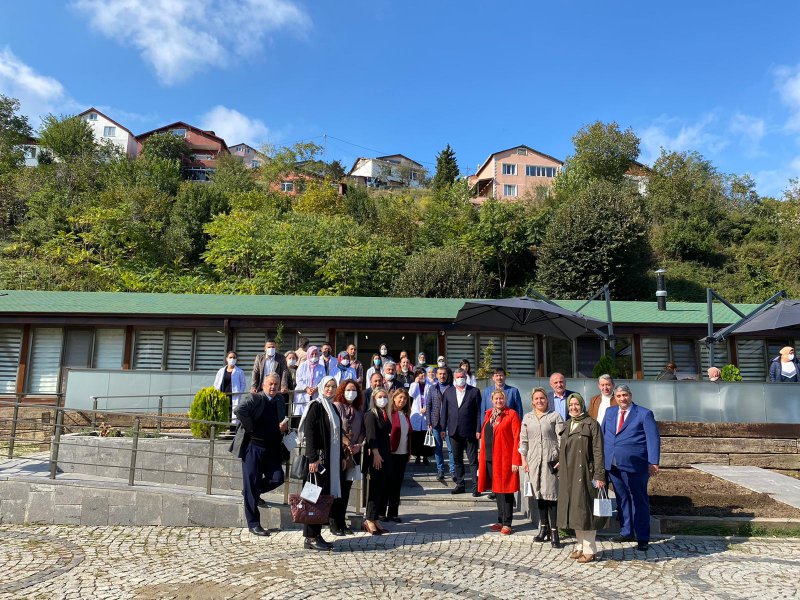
563	452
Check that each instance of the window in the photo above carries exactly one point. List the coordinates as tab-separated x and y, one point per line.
109	132
534	171
202	157
255	164
10	343
509	190
522	151
180	344
559	356
45	360
287	186
509	169
108	348
414	176
588	350
209	350
30	151
93	116
179	132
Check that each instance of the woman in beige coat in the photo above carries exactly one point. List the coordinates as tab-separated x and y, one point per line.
538	444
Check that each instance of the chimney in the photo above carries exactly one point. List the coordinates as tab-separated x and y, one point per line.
661	289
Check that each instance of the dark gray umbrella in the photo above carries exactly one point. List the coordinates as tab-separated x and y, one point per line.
525	315
778	316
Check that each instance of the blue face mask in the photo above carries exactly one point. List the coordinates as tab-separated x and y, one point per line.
377	362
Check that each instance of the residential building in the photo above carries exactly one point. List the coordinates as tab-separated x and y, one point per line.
31	149
106	129
640	175
252	158
205	148
513	173
394	170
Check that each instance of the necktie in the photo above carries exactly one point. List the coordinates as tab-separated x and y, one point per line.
621	420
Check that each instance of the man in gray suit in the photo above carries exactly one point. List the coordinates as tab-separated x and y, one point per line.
270	361
557	399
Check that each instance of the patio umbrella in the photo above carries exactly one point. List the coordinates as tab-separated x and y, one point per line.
525	315
778	316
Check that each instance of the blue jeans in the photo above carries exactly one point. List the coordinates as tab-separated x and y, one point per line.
438	452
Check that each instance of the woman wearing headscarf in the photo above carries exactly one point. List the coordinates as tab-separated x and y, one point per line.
376	367
309	374
343	369
348	402
399	446
419	422
538	444
378	426
231	380
383	351
581	474
322	432
499	459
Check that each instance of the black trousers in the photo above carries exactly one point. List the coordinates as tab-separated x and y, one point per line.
376	489
339	508
261	473
397	471
505	508
469	445
547	513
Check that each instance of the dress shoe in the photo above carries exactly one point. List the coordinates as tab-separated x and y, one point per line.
262	504
335	529
375	531
585	558
321	540
395	519
543	535
459	489
492	496
506	530
347	531
314	544
642	546
555	542
419	460
476	494
618	539
258	530
453	477
425	460
440	477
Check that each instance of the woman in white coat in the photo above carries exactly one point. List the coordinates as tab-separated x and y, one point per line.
309	374
231	380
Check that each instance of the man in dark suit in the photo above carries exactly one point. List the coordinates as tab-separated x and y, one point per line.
632	448
262	421
270	361
461	412
557	399
375	382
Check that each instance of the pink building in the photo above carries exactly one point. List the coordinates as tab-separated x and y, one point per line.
513	172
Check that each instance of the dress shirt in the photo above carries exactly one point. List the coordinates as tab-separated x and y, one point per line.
605	402
460	396
560	405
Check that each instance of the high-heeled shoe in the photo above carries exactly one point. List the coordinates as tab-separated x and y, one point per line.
366	528
556	542
543	535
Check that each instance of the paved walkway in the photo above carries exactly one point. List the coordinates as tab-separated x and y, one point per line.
61	562
781	487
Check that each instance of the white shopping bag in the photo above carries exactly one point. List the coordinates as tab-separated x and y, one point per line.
311	492
528	490
290	440
353	474
429	441
602	504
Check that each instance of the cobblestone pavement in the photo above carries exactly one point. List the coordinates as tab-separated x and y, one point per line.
55	562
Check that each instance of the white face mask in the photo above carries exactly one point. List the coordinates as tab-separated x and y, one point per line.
350	395
405	369
461	382
270	352
292	362
231	361
313	359
790	357
381	401
389	376
440	363
345	362
383	351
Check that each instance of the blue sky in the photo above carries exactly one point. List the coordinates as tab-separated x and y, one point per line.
719	77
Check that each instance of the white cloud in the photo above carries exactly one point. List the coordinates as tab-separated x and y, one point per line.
773	182
750	130
235	127
38	94
788	84
678	135
181	37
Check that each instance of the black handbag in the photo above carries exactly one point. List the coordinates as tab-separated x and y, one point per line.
299	468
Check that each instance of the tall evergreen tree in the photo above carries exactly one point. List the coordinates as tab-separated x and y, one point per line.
446	168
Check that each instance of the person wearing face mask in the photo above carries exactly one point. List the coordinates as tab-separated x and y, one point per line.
785	368
467	368
406	375
349	402
322	431
600	403
422	362
436	423
419	421
441	362
376	383
356	364
328	361
383	352
377	363
378	426
309	374
461	412
343	369
390	381
269	361
291	362
230	379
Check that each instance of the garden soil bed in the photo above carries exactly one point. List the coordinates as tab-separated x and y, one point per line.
688	492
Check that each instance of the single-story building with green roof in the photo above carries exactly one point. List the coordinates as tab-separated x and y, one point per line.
43	334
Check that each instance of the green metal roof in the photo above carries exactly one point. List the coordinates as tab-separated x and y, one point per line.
439	309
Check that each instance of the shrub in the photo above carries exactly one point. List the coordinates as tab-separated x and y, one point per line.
605	365
730	373
485	370
209	404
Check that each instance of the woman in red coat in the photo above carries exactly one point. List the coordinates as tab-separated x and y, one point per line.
499	459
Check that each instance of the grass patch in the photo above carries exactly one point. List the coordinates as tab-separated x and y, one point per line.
743	530
20	450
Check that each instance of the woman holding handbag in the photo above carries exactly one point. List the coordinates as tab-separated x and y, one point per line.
322	433
348	402
539	441
582	474
399	445
378	428
419	421
499	459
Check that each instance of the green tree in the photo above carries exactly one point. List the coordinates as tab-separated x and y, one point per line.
448	272
194	207
232	175
68	137
600	236
505	238
602	152
14	131
446	168
167	146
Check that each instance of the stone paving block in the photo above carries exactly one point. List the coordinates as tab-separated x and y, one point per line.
150	475
150	460
229	515
175	463
174	478
14	490
94	509
175	510
148	508
122	497
13	511
202	512
67	514
121	515
197	465
39	508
